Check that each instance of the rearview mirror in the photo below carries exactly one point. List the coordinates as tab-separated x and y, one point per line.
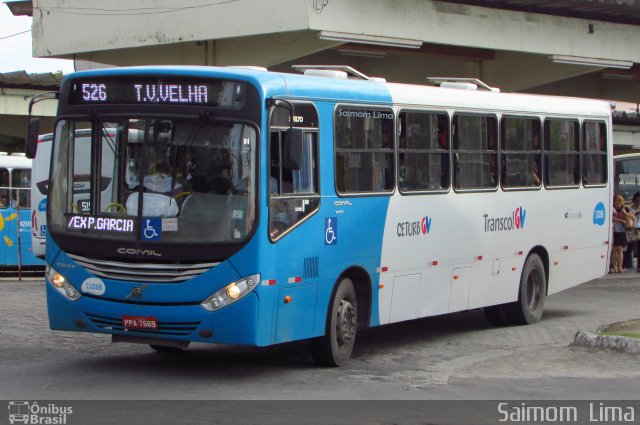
33	132
292	150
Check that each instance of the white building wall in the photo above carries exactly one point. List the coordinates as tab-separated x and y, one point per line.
65	27
14	109
627	136
472	26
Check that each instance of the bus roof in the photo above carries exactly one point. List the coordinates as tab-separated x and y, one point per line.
276	84
15	160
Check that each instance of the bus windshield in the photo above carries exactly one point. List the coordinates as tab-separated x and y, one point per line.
155	180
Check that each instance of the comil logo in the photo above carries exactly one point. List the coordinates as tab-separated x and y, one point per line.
30	413
414	228
499	224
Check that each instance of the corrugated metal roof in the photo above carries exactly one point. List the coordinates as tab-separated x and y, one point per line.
22	80
20	7
628	116
620	11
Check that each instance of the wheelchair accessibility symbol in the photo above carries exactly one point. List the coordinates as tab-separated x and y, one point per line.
151	229
331	231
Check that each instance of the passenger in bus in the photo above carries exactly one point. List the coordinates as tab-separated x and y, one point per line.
280	213
535	174
159	188
159	179
493	170
621	219
4	198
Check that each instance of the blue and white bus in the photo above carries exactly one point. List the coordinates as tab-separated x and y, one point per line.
236	205
15	213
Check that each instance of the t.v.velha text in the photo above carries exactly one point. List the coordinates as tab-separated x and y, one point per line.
598	412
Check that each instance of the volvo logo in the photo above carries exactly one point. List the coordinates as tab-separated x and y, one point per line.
134	251
136	291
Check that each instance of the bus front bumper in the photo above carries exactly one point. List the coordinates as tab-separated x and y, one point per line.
234	324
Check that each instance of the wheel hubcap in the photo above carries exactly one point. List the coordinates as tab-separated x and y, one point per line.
346	323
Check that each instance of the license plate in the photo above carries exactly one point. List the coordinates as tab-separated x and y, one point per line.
138	322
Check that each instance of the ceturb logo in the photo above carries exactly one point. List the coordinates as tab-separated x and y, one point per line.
499	224
414	228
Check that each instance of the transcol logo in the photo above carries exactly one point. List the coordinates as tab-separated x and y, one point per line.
415	228
499	224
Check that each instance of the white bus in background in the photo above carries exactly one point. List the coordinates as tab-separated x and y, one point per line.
39	191
627	175
40	182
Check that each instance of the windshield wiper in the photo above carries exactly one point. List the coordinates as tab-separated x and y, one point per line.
203	118
110	141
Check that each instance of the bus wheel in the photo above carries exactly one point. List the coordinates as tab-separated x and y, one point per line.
533	288
334	348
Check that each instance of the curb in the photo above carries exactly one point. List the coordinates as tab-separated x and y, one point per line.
617	343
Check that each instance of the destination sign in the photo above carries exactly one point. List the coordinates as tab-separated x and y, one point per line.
224	94
100	224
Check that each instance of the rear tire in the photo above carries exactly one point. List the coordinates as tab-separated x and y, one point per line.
533	290
335	347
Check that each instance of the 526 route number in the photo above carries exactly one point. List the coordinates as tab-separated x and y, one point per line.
94	92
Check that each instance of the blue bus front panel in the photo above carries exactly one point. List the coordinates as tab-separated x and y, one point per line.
184	323
174	305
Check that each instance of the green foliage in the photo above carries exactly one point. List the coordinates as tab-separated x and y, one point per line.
628	334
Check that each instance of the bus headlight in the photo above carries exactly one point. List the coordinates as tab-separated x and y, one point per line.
231	293
61	285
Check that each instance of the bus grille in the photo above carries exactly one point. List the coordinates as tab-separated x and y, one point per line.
143	272
164	328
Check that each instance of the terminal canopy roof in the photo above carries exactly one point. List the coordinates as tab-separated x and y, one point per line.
621	11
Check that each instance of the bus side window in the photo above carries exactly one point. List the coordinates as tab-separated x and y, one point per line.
594	153
562	152
364	150
423	152
521	152
475	152
21	184
293	191
4	188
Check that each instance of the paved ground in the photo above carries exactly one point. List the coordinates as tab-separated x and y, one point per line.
457	356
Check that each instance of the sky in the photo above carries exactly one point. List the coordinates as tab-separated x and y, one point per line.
15	52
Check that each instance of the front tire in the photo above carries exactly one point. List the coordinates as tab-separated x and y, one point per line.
335	347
